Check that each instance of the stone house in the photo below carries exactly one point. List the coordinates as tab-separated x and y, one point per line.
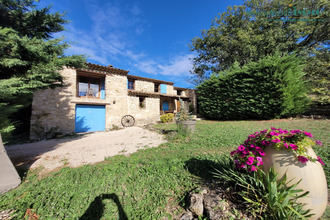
97	99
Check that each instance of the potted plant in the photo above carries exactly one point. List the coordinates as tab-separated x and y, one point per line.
291	155
184	119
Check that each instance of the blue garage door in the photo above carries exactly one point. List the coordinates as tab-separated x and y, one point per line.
90	118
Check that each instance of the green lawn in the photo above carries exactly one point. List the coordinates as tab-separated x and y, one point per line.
149	184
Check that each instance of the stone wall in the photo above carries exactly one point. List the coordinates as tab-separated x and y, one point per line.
52	109
170	90
116	93
121	104
143	86
175	92
148	114
184	93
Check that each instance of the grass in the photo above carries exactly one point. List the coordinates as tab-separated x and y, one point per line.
145	184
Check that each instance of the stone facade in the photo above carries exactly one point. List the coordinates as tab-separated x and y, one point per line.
143	86
144	115
169	90
54	110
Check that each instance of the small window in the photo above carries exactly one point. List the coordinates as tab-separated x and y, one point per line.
179	92
130	84
142	102
156	88
89	87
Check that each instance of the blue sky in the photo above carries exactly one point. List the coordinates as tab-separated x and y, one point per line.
148	38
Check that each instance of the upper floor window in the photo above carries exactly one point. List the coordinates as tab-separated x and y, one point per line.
89	87
130	84
179	92
156	89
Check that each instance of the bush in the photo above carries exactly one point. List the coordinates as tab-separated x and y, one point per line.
264	196
167	117
270	88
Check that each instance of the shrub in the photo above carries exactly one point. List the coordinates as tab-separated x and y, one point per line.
167	117
265	197
270	88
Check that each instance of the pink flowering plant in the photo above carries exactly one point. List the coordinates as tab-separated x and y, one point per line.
250	154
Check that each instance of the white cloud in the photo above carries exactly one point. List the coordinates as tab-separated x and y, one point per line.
134	56
88	52
178	66
147	66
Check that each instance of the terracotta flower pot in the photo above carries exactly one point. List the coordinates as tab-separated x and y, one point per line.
311	174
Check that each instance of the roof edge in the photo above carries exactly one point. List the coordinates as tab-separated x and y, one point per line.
110	69
91	67
149	79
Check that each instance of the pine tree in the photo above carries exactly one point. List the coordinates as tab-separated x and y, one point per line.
30	58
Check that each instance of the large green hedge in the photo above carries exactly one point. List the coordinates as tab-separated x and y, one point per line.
270	88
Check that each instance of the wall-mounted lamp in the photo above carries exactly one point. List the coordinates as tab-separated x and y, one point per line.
114	102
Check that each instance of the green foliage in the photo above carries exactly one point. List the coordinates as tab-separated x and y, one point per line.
270	88
167	117
323	152
266	198
318	76
30	59
183	114
23	17
244	34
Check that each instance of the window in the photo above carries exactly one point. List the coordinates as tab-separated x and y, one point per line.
156	89
179	92
89	87
142	102
130	84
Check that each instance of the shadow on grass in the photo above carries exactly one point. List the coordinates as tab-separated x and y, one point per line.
164	131
205	169
96	208
202	168
22	172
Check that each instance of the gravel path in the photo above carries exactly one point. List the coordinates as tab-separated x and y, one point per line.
85	149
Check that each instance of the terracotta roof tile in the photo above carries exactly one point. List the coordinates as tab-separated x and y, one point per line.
107	69
149	79
179	88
